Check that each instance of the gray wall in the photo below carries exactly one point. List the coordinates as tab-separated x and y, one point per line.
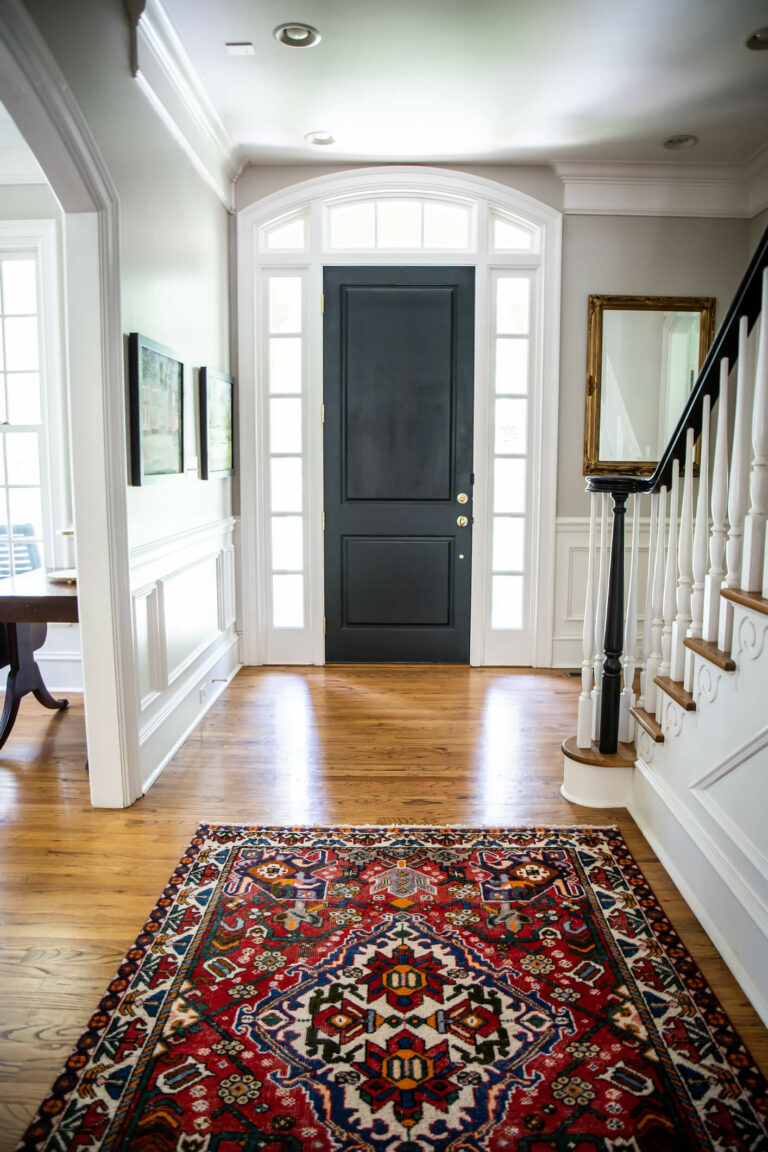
757	226
174	234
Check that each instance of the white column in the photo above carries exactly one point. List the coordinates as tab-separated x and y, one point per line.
670	575
657	600
584	724
627	699
648	609
738	487
700	538
752	560
684	567
600	603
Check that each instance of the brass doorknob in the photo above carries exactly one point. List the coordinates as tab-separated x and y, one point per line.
462	521
462	497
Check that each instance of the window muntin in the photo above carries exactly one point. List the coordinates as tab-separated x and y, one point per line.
22	545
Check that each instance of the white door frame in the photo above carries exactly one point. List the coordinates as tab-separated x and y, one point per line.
310	196
38	98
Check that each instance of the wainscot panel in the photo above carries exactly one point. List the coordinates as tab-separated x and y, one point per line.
185	637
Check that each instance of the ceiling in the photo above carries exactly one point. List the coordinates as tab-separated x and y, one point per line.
495	81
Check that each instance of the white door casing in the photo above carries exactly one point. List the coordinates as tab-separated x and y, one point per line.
289	234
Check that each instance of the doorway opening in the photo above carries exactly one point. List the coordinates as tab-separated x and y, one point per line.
388	219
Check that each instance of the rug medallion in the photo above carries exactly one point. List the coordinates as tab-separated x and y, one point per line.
407	990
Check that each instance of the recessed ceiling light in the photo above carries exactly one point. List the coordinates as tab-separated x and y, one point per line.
297	35
320	138
677	143
240	48
758	41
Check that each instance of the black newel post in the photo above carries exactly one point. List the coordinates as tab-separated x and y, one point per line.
614	632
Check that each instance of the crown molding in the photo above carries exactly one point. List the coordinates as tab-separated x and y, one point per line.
659	189
167	78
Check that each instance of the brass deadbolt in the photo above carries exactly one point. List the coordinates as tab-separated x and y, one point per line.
462	497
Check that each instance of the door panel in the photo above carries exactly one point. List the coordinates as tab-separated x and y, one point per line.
398	380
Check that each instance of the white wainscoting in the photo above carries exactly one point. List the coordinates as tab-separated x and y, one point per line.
571	556
185	640
60	659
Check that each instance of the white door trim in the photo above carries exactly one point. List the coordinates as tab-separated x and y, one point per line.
309	196
38	98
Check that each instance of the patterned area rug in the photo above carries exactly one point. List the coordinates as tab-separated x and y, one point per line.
407	990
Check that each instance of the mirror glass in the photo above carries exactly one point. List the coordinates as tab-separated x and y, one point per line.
644	354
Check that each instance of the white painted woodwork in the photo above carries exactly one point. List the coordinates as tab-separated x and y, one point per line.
184	634
700	538
657	602
684	567
584	722
753	559
715	577
670	574
627	698
531	644
738	489
647	611
601	601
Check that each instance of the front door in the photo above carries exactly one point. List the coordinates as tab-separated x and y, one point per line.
398	395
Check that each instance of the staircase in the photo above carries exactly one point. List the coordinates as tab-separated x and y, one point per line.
673	712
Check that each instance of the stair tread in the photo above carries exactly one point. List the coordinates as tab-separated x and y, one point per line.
648	723
625	754
675	689
747	599
710	651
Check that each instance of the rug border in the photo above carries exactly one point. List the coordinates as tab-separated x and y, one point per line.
704	997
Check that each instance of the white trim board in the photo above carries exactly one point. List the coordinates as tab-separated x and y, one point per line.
310	196
664	189
169	81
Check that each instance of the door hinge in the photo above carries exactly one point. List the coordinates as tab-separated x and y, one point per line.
322	413
322	304
323	521
323	625
471	477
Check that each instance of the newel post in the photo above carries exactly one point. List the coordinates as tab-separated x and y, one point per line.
614	632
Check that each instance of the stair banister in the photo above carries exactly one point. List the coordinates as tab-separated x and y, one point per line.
738	490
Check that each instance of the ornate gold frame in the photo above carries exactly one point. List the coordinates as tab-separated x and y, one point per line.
705	305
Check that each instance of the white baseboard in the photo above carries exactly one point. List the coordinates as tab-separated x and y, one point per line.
161	739
741	941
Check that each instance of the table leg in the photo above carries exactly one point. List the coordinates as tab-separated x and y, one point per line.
24	675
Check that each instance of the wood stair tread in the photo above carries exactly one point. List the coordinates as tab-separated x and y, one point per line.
675	689
710	651
648	723
747	599
625	754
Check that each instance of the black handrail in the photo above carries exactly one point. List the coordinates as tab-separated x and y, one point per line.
747	302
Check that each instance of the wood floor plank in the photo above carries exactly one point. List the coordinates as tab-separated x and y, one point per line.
337	745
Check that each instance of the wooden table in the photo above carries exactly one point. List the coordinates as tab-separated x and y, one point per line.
28	604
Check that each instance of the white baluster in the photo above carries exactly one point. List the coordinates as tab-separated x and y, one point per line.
738	487
752	560
584	724
648	609
714	579
684	567
627	699
670	582
600	603
657	599
700	538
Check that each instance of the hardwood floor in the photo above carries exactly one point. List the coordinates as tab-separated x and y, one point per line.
354	744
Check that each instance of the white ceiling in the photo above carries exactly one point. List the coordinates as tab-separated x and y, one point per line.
495	81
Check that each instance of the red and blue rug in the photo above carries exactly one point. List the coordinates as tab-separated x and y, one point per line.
407	990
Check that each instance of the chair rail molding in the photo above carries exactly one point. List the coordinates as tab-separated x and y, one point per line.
36	94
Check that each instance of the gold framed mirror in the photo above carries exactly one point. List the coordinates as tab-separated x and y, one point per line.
643	356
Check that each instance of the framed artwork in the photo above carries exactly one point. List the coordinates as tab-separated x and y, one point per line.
217	445
156	411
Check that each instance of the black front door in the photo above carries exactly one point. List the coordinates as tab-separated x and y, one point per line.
398	382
